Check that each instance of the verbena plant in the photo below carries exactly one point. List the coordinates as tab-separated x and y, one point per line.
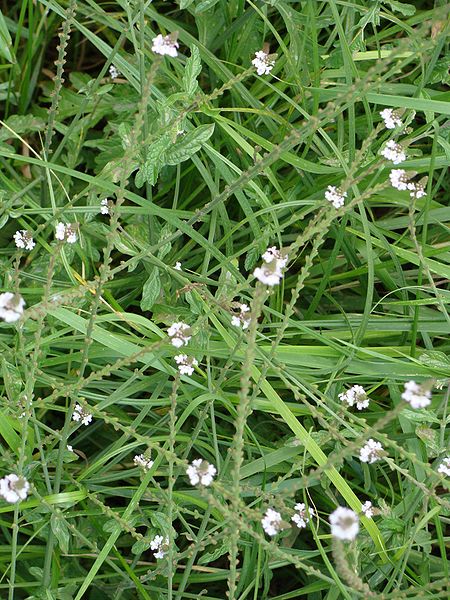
166	193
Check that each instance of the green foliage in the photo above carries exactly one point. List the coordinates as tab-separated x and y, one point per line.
203	162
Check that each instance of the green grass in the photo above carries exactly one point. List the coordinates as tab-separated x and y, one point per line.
207	163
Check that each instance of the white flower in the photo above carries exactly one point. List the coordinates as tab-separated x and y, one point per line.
335	195
24	239
180	334
416	395
66	232
371	452
302	516
14	488
344	523
271	271
242	319
79	414
177	266
105	205
391	118
11	307
394	152
160	546
444	467
141	461
201	472
355	395
399	179
416	190
272	522
367	509
69	448
113	72
185	363
165	45
263	63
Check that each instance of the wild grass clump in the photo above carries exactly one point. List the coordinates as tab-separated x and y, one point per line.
223	307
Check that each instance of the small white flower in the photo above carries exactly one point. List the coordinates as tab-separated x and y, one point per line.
272	522
367	509
11	307
416	395
391	118
271	271
185	363
69	448
113	72
66	232
160	546
165	45
394	152
355	395
416	190
444	467
180	334
344	523
371	452
335	195
140	460
79	414
263	63
105	206
14	488
242	319
302	516
399	179
177	266
24	239
201	472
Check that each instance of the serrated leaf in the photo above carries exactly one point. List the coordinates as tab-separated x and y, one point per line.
185	3
60	531
251	259
205	5
154	161
405	9
192	70
188	145
140	546
212	556
164	248
435	359
151	290
20	125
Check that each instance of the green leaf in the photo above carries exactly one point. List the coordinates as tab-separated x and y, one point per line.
60	531
154	161
20	125
188	145
151	290
205	5
192	70
140	546
185	3
5	40
405	9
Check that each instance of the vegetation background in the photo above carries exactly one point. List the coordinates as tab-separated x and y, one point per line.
208	164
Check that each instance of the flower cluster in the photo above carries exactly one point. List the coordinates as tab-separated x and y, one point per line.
302	516
367	509
201	472
113	72
391	118
416	395
160	546
14	488
177	266
180	334
81	415
66	232
24	239
271	271
140	460
371	452
165	45
344	523
11	307
272	522
335	195
105	206
394	152
242	319
444	467
185	363
400	180
355	395
263	63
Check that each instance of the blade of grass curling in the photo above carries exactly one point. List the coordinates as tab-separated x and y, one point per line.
311	446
